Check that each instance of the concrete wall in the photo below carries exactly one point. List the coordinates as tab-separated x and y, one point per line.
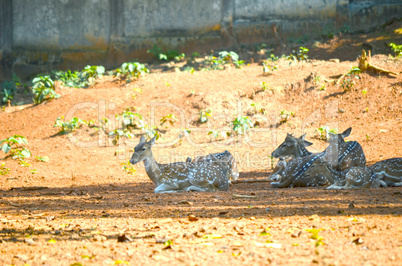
41	35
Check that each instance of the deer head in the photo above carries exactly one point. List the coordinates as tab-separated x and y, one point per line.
142	150
292	146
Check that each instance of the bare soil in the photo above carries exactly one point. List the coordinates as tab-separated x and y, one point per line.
77	206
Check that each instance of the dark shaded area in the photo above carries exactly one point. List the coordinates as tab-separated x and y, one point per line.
136	200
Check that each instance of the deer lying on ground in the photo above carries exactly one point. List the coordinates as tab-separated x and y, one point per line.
225	159
390	171
342	155
291	148
180	176
354	177
294	173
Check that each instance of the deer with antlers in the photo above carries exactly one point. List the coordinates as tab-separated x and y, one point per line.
205	175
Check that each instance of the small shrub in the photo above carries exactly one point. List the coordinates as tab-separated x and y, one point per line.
171	118
43	88
324	131
131	70
242	124
397	49
130	119
69	126
285	115
166	55
266	68
204	116
258	109
128	168
119	133
349	81
82	79
216	133
4	170
7	91
15	146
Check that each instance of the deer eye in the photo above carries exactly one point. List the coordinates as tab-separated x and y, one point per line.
143	149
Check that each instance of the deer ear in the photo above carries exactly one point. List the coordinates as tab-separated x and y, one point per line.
307	143
142	139
346	133
152	141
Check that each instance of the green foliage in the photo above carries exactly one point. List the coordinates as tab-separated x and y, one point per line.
4	170
119	133
258	109
301	55
397	49
15	146
43	88
130	119
166	55
7	91
69	126
204	115
42	159
216	133
265	86
241	125
171	118
314	235
324	131
225	57
349	81
267	68
128	168
82	79
285	115
131	70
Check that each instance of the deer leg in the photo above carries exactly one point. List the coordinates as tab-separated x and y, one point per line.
166	188
195	188
283	183
335	186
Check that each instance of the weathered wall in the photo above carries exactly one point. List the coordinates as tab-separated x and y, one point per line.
41	35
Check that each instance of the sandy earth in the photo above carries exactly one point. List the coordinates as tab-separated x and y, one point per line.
77	206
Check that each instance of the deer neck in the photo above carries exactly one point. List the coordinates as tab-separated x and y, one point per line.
301	151
152	169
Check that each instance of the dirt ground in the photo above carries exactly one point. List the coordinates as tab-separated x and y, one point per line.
82	207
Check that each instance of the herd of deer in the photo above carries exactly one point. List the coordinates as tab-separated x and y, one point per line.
342	165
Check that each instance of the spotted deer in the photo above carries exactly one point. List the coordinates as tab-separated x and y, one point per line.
342	155
294	173
180	176
225	159
291	148
354	177
390	171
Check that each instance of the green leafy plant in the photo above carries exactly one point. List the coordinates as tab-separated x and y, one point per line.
130	70
166	55
204	115
171	118
349	81
43	88
285	115
119	133
301	55
231	57
265	86
128	168
267	68
397	49
324	131
241	125
314	235
216	133
130	119
15	146
258	109
69	126
4	170
7	91
82	79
